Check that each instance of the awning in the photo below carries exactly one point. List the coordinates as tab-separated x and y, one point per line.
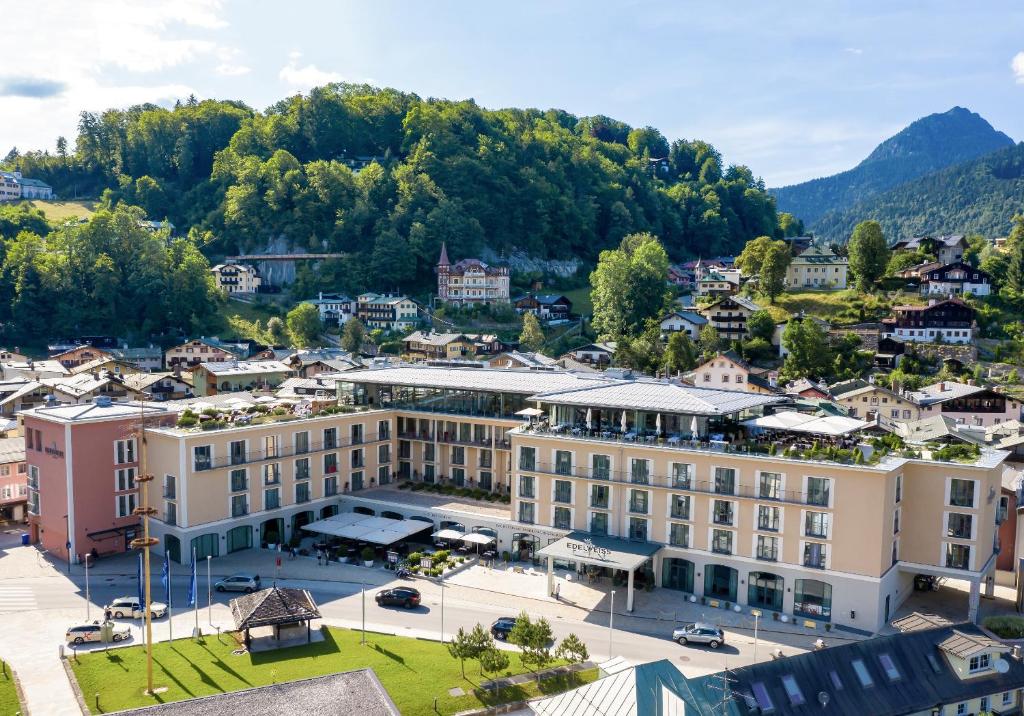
530	412
114	532
477	538
447	534
833	425
600	551
366	528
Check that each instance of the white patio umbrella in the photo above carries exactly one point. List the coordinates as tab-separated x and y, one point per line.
657	424
622	422
694	428
590	419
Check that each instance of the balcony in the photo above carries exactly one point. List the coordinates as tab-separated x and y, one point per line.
256	456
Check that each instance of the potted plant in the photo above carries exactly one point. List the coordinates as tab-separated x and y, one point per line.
368	555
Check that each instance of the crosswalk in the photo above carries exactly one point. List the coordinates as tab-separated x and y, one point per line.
16	598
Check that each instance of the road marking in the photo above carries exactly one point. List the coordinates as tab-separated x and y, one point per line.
16	598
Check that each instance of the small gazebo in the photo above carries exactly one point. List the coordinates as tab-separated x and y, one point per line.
274	607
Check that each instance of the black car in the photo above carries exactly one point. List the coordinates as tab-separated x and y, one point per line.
399	596
502	628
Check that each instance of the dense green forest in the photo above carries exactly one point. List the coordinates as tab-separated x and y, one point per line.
976	197
927	145
547	183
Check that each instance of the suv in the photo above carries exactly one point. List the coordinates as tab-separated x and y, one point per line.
401	596
82	633
502	627
247	583
131	608
699	633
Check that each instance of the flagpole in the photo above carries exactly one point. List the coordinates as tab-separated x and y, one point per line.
170	626
195	597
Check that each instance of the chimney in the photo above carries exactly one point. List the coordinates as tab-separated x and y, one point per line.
942	387
1016	652
931	301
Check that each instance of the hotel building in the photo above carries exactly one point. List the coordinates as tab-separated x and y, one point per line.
650	481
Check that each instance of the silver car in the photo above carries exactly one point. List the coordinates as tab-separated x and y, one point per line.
131	608
96	632
247	583
699	633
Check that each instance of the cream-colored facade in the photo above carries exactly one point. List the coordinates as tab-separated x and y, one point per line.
869	401
818	269
237	278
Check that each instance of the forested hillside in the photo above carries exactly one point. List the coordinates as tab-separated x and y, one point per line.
978	196
929	144
545	182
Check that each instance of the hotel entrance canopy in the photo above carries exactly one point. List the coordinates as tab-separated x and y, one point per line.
600	551
366	528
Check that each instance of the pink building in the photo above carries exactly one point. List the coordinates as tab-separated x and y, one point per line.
13	480
82	463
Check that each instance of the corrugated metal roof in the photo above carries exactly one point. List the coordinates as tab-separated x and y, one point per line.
659	396
250	367
495	380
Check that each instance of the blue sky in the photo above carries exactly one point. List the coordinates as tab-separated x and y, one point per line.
794	90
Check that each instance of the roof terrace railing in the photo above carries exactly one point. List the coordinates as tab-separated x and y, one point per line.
255	456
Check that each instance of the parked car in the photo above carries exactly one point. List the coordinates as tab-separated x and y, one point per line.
131	608
502	627
699	633
97	633
247	583
399	596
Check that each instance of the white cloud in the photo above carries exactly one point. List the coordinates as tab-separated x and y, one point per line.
1017	65
229	65
307	77
853	50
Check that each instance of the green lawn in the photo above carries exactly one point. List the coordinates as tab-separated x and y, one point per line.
61	211
9	704
849	306
413	671
241	318
580	298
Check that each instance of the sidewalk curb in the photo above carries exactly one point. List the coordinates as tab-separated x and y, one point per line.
75	688
22	701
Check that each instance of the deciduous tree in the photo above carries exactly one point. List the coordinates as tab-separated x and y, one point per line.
353	335
532	336
304	324
629	286
869	254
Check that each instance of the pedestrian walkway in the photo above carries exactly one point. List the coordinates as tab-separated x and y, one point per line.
16	598
530	677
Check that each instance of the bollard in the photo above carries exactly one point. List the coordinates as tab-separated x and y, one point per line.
435	704
97	700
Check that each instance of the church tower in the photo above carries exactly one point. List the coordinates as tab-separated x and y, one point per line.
443	271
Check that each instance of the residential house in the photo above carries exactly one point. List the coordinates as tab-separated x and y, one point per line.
153	225
12	356
522	359
10	189
729	316
15	186
599	354
320	392
237	278
719	282
79	355
949	321
150	358
956	279
13	480
471	281
889	353
728	371
868	400
545	306
32	369
107	363
86	387
798	244
681	276
308	363
972	405
161	386
196	351
231	376
387	312
688	322
916	272
818	269
807	389
947	249
424	345
17	394
335	308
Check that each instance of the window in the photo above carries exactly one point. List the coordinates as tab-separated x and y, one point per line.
818	489
458	455
682	475
125	504
986	702
1007	698
563	518
330	486
428	452
272	474
599	496
899	488
384	453
889	667
383	429
796	697
862	673
170	487
357	458
601	467
459	476
764	701
722	512
599	523
563	462
239	505
526	484
769	485
384	475
980	662
958	556
357	480
485	480
721	541
679	535
896	522
239	480
638	501
356	431
526	512
125	479
124	450
563	491
527	458
680	509
768	548
638	528
302	466
271	499
816	524
302	492
330	438
961	492
640	472
768	518
815	555
725	481
837	683
202	457
301	443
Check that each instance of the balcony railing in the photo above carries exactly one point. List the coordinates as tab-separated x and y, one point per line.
254	456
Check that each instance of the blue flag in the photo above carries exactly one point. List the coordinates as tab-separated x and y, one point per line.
142	591
192	582
165	579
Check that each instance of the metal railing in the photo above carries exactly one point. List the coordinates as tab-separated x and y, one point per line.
254	456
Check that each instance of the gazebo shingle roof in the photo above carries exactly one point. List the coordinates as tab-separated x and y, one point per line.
273	606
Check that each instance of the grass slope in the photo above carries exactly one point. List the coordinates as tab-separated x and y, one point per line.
61	211
9	704
840	307
413	671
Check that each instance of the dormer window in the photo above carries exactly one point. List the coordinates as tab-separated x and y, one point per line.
981	662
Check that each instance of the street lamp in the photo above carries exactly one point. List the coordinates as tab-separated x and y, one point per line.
87	599
441	582
67	541
611	624
209	592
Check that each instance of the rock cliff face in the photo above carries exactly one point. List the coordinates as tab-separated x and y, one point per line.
519	262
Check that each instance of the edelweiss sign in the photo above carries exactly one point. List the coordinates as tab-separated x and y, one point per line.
587	548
